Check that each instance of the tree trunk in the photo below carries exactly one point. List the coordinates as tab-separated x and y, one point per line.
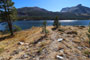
10	27
10	24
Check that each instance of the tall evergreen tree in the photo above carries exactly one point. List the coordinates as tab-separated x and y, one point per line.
8	12
56	23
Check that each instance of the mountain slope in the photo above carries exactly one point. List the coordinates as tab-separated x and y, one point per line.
32	11
79	9
36	13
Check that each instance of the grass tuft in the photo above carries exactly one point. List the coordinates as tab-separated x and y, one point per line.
1	50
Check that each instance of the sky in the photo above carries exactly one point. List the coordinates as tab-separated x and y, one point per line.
51	5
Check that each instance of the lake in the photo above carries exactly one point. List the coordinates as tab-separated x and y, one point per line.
28	24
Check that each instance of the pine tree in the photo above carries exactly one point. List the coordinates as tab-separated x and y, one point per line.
44	27
8	13
56	23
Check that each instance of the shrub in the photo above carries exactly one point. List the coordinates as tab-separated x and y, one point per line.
89	28
40	49
47	31
0	32
89	41
44	27
16	28
88	34
1	50
87	52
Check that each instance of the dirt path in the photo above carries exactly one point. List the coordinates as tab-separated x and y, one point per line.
53	47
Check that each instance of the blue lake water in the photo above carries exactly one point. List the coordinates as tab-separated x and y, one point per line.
29	24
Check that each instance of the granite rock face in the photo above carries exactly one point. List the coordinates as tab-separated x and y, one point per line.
79	9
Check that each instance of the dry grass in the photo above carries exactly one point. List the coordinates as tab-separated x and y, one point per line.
77	40
20	36
37	44
43	43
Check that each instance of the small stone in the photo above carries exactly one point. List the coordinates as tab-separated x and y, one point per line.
26	43
25	56
61	51
80	48
39	42
60	57
77	54
27	47
59	40
20	43
28	50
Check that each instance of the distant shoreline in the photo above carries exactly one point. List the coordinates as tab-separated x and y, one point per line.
46	19
26	24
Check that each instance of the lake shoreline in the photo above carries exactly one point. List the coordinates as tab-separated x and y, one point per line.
28	24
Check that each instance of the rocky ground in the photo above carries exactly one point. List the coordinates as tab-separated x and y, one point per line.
65	43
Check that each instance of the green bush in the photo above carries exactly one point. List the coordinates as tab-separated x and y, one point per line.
87	52
16	28
47	31
89	30
89	41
